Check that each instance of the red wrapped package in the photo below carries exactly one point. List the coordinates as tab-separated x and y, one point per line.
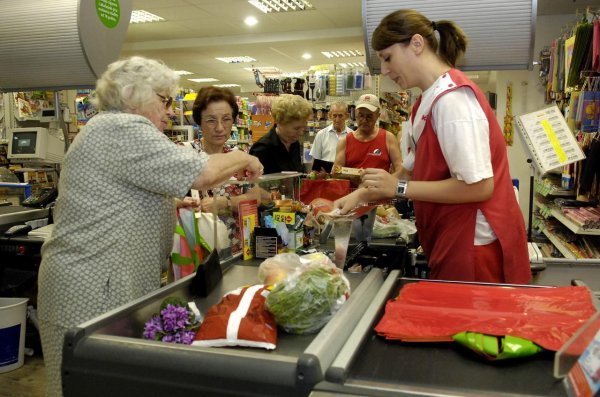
330	189
240	319
429	311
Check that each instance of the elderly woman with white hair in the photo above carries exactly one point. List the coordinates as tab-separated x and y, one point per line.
115	213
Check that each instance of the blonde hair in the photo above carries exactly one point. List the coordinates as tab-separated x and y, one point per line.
133	83
400	26
287	108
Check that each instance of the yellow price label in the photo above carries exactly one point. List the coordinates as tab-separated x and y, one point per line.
562	156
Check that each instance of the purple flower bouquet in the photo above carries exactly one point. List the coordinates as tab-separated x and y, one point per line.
175	323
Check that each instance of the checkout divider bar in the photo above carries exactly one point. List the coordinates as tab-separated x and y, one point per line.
324	349
338	370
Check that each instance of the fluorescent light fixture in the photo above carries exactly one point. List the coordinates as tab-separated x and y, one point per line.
227	85
353	65
342	54
267	6
472	76
203	80
267	71
242	59
306	55
183	72
250	21
142	16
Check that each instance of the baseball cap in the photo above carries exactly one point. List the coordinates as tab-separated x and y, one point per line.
368	101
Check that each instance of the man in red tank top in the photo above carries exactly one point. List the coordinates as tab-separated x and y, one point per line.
369	146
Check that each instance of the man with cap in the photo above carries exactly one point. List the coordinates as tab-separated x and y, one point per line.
369	146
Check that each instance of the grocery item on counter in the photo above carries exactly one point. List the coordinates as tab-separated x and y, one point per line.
239	319
308	297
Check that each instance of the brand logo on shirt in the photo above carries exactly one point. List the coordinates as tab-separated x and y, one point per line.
376	152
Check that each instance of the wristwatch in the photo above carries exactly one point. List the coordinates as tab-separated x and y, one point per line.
401	189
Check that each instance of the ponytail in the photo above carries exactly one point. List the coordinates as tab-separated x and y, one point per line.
400	26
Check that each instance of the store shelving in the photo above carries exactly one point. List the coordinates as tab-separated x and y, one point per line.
559	216
560	246
551	221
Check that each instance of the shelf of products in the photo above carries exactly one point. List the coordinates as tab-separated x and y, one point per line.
570	237
566	252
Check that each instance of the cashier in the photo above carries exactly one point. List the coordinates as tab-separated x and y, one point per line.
279	150
468	220
115	213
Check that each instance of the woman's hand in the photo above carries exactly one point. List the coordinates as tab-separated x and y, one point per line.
380	184
350	201
208	202
187	202
254	169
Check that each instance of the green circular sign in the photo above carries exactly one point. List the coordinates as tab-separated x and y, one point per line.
109	12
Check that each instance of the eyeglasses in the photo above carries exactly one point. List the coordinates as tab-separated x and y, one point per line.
168	101
213	122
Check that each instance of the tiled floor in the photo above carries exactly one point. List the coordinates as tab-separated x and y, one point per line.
27	381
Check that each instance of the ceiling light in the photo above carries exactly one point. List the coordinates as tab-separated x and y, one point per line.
352	65
306	55
227	85
267	71
203	80
241	59
182	72
250	21
141	16
267	6
342	54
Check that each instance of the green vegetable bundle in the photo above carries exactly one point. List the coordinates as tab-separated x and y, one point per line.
304	302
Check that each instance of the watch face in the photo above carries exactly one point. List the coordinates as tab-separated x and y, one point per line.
401	188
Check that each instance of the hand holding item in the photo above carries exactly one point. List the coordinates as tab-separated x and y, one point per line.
350	201
188	202
380	183
254	169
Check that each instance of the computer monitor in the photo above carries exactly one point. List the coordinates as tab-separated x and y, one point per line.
34	144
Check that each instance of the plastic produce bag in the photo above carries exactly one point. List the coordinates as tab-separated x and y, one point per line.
275	269
308	298
386	227
494	347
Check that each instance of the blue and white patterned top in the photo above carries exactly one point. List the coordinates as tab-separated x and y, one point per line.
114	218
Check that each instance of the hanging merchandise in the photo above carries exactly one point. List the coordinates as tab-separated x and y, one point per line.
368	79
299	87
310	92
586	116
579	58
508	118
349	80
321	88
358	79
332	84
340	82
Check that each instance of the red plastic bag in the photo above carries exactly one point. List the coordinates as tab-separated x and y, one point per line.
240	319
428	311
331	189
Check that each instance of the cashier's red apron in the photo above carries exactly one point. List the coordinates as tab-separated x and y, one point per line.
447	231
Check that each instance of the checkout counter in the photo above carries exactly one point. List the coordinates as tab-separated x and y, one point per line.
107	355
20	253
